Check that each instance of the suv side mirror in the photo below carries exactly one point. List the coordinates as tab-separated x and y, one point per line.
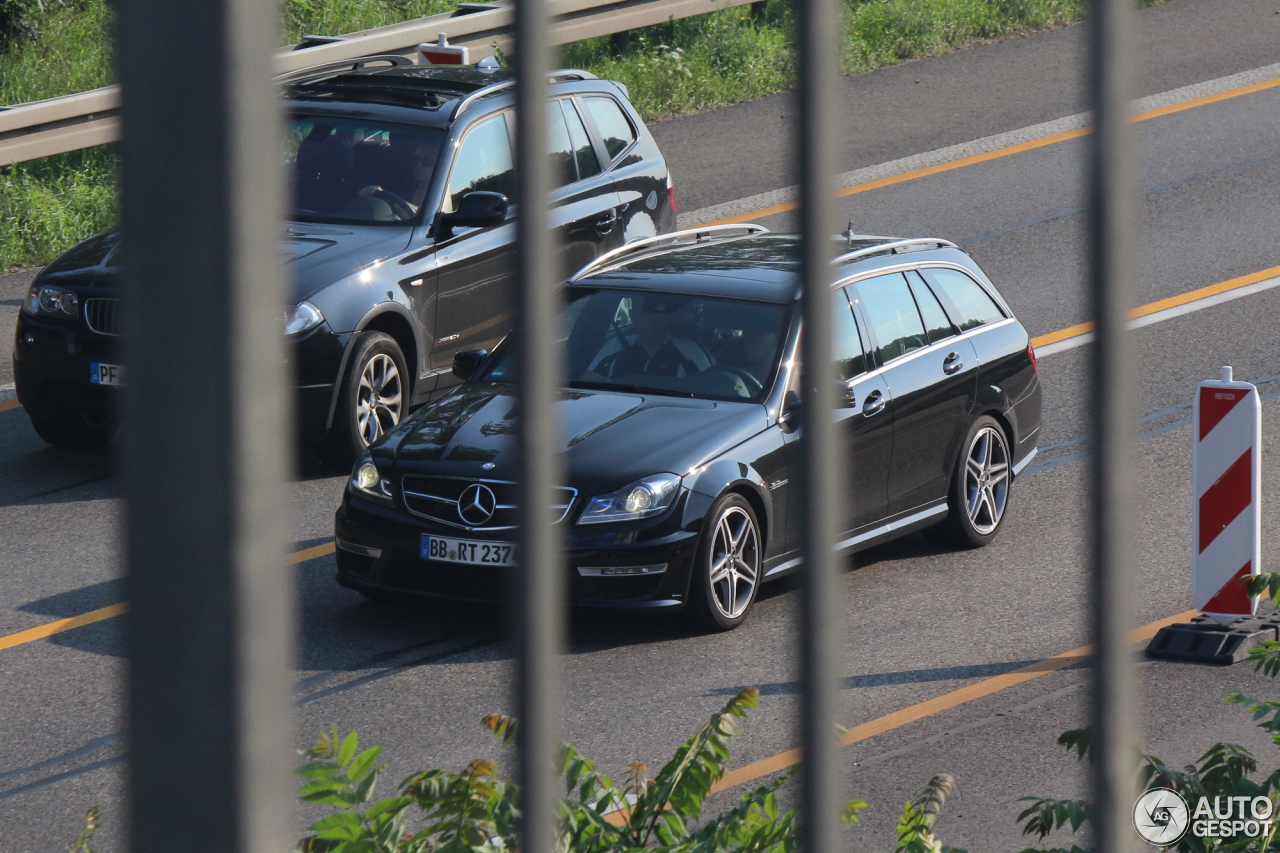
467	361
789	420
479	209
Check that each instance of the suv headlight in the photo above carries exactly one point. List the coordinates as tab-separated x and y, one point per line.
368	482
45	301
641	499
305	316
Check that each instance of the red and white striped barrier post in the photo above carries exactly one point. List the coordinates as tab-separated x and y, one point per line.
1226	483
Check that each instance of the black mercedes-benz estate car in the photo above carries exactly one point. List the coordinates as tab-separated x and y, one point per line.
400	244
681	419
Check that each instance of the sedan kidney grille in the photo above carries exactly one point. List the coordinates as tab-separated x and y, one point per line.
445	499
103	316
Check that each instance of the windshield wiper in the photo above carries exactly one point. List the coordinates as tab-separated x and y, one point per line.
634	389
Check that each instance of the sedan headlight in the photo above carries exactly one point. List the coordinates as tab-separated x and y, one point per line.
641	499
45	301
305	316
368	482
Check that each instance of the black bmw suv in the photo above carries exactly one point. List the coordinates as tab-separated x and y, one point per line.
680	424
400	244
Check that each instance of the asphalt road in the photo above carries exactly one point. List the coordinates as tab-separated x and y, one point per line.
921	623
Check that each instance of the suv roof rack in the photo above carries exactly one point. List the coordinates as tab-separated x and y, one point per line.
891	246
691	236
331	69
563	75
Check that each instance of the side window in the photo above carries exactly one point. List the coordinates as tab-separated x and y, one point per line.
583	152
935	319
483	162
848	342
974	307
614	128
562	164
893	315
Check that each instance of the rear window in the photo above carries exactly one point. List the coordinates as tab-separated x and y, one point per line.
612	124
973	306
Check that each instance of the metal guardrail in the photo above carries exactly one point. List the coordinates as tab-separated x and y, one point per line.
58	125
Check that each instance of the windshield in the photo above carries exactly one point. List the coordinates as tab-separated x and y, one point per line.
667	343
358	172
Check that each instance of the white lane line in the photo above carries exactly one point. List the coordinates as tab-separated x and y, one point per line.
1166	314
978	146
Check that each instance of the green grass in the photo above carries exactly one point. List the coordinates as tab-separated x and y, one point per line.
673	69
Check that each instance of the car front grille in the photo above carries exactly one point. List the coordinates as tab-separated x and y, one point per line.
437	498
103	316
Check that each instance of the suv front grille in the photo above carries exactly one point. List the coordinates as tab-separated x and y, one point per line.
437	498
103	316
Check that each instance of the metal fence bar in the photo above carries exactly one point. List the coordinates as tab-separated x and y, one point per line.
1112	242
210	629
817	23
541	584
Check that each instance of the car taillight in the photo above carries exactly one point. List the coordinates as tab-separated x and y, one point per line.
1031	352
671	193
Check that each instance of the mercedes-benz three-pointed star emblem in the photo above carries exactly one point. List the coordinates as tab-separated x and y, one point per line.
476	504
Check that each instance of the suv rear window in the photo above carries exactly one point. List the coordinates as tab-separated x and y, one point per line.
975	308
612	124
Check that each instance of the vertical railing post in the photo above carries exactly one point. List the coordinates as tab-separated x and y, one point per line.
541	583
1112	254
822	471
210	628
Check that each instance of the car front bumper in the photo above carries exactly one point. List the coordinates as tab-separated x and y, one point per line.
378	551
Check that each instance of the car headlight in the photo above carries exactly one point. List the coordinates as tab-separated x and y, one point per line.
45	301
641	499
367	480
305	316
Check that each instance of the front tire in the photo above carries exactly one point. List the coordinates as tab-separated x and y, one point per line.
374	397
979	498
729	565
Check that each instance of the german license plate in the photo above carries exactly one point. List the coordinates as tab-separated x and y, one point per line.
106	374
469	551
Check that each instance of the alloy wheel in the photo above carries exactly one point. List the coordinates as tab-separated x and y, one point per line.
735	562
986	479
379	398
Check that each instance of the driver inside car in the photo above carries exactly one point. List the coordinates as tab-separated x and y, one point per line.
406	199
655	349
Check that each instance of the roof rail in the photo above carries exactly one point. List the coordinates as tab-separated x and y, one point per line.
482	92
331	69
895	247
689	235
564	74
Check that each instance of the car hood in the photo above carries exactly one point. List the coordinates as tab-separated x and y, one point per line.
609	439
317	255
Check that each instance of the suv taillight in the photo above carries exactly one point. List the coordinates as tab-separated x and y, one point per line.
671	193
1031	352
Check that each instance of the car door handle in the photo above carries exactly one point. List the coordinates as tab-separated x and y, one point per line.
952	363
873	404
606	221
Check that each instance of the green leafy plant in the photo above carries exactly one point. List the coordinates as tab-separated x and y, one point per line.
474	810
92	819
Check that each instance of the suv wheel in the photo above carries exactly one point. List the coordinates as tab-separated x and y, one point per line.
979	487
72	427
729	565
373	398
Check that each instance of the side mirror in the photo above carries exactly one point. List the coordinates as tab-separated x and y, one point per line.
466	362
789	420
477	209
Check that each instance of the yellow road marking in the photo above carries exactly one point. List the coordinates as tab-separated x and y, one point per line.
1008	150
1163	304
6	405
946	701
40	632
